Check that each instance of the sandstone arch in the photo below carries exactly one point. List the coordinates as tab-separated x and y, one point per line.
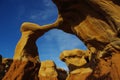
96	23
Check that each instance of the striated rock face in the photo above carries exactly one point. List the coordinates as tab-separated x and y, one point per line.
48	71
80	18
97	24
21	70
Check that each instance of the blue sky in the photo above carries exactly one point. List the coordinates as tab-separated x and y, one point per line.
14	12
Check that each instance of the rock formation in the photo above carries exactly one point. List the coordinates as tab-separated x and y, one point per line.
26	60
6	62
62	74
75	58
79	74
77	62
4	66
26	48
48	71
95	22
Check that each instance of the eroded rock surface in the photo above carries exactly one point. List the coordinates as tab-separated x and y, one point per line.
79	74
22	70
26	59
4	66
75	58
95	22
48	71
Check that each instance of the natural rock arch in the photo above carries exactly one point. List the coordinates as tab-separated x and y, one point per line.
96	23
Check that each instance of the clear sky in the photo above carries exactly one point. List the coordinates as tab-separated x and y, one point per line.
14	12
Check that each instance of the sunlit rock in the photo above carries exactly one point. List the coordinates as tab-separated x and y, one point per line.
79	74
48	71
75	58
95	22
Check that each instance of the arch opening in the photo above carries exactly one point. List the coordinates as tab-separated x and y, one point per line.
52	43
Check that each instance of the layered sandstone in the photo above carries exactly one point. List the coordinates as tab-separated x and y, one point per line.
95	22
